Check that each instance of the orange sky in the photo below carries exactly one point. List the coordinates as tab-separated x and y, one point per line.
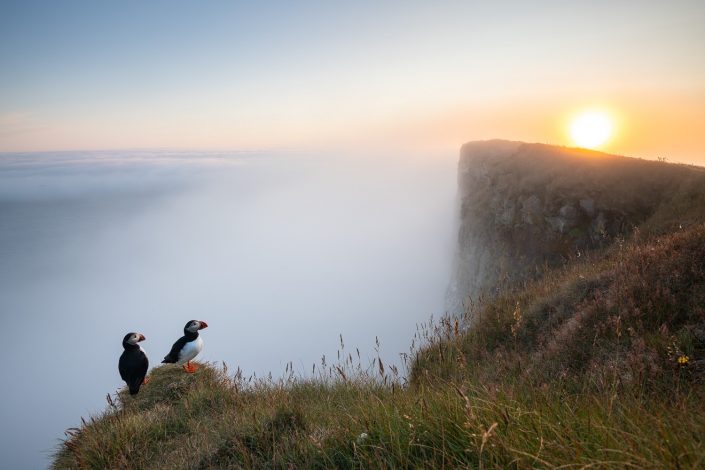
396	76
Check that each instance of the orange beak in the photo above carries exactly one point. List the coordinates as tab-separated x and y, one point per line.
203	324
142	338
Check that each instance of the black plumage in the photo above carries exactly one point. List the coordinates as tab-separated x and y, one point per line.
133	362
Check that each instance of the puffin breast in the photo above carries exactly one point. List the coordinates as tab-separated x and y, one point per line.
190	350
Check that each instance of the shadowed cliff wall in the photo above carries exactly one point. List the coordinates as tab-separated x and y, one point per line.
525	207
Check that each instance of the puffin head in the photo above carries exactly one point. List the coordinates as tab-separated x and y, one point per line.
194	325
131	339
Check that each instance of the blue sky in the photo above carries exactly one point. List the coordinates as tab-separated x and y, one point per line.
177	74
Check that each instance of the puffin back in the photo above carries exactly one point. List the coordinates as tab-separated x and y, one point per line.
133	367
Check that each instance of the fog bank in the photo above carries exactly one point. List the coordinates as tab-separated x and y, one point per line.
279	253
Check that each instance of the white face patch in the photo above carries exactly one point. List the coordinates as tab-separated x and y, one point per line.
194	326
133	339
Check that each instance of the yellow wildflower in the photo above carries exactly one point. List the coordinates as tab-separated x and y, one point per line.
683	359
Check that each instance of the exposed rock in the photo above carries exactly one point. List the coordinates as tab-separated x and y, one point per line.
588	205
569	213
506	215
531	210
557	224
598	227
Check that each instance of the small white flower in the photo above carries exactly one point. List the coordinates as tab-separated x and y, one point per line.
362	438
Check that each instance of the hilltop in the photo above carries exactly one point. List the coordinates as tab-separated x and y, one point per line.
596	359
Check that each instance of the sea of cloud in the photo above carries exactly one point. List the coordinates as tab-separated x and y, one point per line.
280	252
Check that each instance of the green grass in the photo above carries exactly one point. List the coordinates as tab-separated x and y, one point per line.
624	318
206	421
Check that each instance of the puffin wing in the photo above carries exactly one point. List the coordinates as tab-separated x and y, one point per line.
173	355
123	366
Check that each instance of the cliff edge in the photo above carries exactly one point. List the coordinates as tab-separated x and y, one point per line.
524	208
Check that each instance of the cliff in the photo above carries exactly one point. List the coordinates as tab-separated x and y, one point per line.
524	208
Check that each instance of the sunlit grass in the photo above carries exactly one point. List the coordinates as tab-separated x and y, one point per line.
219	423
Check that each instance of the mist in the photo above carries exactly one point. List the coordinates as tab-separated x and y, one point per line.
279	252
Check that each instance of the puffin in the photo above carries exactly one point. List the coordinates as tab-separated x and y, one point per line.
133	362
187	347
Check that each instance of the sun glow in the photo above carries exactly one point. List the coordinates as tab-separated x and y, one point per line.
591	129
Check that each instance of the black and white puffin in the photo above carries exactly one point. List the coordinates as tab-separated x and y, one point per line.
187	347
133	362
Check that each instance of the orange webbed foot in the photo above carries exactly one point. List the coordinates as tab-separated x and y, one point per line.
190	368
146	381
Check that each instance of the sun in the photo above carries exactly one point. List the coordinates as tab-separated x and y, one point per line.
591	129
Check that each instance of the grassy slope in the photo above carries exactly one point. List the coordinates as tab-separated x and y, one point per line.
579	368
623	319
204	422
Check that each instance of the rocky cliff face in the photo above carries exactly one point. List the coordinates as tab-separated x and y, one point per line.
527	207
